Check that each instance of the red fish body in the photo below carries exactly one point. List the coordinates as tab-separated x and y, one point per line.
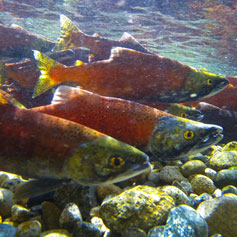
132	75
138	125
16	39
35	144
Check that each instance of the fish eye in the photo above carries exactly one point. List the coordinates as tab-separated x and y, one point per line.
183	115
116	161
188	134
209	82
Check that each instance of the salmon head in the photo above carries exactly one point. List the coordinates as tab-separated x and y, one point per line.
175	138
105	160
202	84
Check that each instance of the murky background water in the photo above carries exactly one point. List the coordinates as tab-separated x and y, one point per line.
198	33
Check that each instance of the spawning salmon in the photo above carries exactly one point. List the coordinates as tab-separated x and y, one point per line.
72	37
34	144
166	136
132	75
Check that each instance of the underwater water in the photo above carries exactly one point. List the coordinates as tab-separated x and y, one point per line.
198	33
104	131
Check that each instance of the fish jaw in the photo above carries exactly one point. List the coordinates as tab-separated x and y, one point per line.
175	138
105	160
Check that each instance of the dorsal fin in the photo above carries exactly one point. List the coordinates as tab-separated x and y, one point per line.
65	93
126	37
15	26
119	53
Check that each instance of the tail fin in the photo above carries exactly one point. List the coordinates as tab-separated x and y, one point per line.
64	40
64	93
6	98
45	81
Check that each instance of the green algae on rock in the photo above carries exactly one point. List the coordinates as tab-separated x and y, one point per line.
225	158
140	207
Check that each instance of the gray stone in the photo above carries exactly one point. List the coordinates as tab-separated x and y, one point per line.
86	229
183	221
226	177
20	213
69	216
220	215
171	173
193	167
7	230
6	202
131	232
229	189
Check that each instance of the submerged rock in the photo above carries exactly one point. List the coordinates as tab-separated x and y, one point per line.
193	167
7	230
182	221
140	207
69	216
202	184
6	202
226	158
226	177
85	229
220	215
178	195
55	233
29	229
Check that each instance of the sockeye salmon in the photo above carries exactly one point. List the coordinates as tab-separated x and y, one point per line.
72	37
226	99
180	110
224	118
132	75
26	72
16	41
166	136
34	144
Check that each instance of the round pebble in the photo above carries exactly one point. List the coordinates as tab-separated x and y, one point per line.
171	173
29	229
226	177
6	202
69	216
220	214
20	214
210	173
107	189
85	229
55	233
202	184
193	167
7	230
50	221
229	189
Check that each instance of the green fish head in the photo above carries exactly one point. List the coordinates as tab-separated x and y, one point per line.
105	160
185	112
176	138
202	84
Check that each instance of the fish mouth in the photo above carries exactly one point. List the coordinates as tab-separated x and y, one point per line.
212	137
135	170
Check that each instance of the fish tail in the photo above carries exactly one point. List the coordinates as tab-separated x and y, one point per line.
65	39
46	80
